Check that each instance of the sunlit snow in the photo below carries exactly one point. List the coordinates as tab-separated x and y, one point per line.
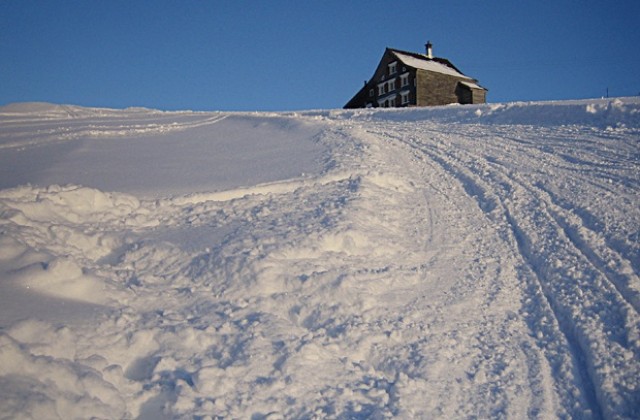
451	262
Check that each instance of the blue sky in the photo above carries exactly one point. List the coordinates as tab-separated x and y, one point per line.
296	55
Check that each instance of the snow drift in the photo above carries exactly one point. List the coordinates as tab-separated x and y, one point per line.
453	262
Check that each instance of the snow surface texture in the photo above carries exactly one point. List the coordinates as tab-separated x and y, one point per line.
454	262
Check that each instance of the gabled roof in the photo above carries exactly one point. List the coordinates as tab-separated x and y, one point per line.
416	61
422	62
472	85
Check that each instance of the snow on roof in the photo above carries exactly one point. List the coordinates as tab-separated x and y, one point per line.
429	65
472	85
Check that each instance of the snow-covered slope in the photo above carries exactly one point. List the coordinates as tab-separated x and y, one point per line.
453	262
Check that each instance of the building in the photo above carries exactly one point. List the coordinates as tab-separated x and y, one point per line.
410	79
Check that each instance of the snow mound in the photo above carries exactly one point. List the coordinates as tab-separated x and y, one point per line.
59	277
67	227
68	204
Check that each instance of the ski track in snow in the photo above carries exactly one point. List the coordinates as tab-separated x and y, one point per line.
454	262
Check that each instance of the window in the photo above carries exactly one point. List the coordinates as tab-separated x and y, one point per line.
404	97
404	80
381	89
371	93
393	67
392	85
387	102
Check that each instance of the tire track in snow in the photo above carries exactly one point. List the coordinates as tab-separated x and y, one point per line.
565	218
493	207
599	166
581	332
582	369
626	252
617	322
65	129
493	357
572	232
562	217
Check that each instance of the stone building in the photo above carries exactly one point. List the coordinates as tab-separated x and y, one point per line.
410	79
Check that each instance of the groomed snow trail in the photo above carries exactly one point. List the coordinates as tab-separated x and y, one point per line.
578	271
455	262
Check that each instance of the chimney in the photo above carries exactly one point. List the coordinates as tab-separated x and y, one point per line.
429	49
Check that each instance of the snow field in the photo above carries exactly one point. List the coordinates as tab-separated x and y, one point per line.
452	262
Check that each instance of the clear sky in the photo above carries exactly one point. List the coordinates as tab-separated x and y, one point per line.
304	54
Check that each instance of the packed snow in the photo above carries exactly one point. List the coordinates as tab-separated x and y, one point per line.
452	262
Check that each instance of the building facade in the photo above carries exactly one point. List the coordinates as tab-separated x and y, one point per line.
409	79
